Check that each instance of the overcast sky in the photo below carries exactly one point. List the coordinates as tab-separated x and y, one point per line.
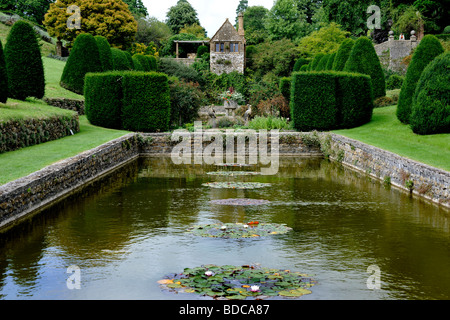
211	13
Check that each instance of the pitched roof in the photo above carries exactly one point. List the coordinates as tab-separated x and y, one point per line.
227	32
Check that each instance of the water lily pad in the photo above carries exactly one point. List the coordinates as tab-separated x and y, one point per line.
234	173
235	185
238	230
239	282
240	202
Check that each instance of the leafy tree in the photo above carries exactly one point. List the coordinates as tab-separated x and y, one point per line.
431	104
84	58
254	24
195	29
325	40
286	20
363	59
435	13
180	15
242	6
109	18
428	48
24	63
32	10
3	77
150	30
137	7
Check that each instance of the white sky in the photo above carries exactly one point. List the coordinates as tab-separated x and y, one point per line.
211	13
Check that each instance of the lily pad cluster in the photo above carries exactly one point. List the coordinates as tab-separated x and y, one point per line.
235	185
234	173
238	230
230	282
240	202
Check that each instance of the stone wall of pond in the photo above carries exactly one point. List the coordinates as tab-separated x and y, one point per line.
27	195
417	178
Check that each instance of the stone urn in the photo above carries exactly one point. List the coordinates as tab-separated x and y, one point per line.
230	107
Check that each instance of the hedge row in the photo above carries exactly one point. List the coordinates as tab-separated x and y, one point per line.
130	100
330	100
16	134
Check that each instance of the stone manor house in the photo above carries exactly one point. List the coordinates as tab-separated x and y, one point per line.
227	48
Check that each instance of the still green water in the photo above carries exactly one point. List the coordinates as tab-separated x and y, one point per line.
128	230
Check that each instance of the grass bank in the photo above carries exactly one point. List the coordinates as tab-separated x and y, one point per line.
386	132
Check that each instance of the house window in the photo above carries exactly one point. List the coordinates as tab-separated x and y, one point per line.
217	47
234	47
220	47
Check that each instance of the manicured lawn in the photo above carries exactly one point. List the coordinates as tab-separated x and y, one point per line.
53	71
385	131
31	108
20	163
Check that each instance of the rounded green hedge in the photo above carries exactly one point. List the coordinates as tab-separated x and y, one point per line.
428	48
394	81
325	100
331	61
201	50
322	65
285	87
363	59
342	54
105	53
299	63
24	63
121	61
3	77
143	61
316	61
84	58
430	112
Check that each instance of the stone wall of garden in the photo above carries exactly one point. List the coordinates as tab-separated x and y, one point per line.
409	175
68	104
30	194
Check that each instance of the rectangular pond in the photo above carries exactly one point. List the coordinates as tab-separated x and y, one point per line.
124	232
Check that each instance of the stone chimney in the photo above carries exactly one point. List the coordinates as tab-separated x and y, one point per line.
241	24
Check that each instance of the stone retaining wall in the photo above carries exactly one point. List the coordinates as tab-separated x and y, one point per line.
409	175
30	194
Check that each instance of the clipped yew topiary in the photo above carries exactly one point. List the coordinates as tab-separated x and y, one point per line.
322	65
299	63
363	59
24	65
342	54
430	113
331	61
285	87
3	77
428	49
143	61
84	58
316	61
120	60
105	53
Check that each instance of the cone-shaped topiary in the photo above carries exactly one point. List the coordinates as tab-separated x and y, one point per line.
84	57
3	77
299	63
363	59
24	63
331	61
430	112
342	54
120	60
316	61
322	65
105	53
428	49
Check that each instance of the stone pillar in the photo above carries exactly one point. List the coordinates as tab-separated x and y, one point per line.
59	48
391	35
241	24
176	45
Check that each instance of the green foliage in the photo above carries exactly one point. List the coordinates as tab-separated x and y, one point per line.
146	105
394	81
181	15
24	65
144	62
168	48
120	60
103	99
428	48
431	104
268	123
130	59
84	57
342	54
186	98
202	50
363	59
316	61
137	64
105	53
285	87
136	7
3	77
331	61
255	29
446	30
299	63
322	64
328	100
150	29
180	70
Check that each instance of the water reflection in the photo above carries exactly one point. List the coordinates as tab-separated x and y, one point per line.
127	230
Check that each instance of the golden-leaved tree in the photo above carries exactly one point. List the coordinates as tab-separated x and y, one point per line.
66	19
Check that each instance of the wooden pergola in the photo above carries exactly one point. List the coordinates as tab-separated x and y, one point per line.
188	41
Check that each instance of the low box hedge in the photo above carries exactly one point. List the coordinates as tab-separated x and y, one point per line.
329	100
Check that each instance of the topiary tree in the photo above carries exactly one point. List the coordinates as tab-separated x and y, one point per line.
322	65
316	61
428	48
24	65
143	61
331	61
299	63
202	50
3	77
363	59
105	53
84	57
430	113
120	60
342	54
